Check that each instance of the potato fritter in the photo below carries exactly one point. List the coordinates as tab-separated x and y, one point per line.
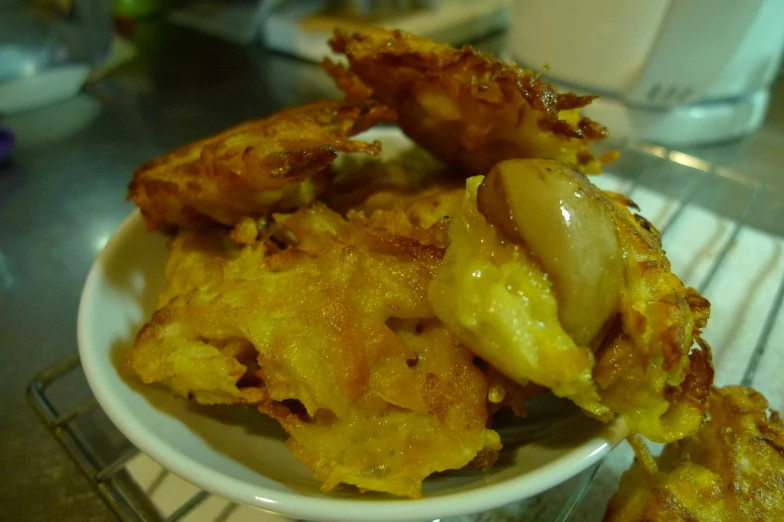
333	336
499	295
253	169
732	470
466	107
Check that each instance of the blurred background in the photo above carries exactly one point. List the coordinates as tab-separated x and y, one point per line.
678	73
91	89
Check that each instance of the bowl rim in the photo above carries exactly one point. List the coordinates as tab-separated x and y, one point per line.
295	504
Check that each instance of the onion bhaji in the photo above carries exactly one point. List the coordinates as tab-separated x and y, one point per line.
274	164
395	307
466	107
732	470
553	281
333	336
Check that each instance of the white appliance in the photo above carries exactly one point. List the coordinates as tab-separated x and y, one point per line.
675	72
302	28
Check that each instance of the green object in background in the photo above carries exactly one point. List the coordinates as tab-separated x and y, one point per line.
138	8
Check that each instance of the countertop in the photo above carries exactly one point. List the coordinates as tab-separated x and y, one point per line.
63	193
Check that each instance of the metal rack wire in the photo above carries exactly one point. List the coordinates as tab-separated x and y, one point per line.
102	453
108	476
757	191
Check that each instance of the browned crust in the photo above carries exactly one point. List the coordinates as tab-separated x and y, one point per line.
398	48
235	174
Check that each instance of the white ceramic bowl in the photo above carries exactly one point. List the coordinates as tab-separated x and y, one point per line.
240	454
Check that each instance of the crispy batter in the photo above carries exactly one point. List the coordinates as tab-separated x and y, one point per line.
257	167
367	185
466	107
646	368
372	388
732	470
495	296
347	81
413	183
195	258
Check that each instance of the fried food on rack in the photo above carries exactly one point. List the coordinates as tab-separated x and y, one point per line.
274	164
326	327
553	281
466	107
732	470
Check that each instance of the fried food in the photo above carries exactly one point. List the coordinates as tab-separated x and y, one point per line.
385	324
428	193
365	184
274	164
648	367
196	258
732	470
466	107
326	327
554	282
422	188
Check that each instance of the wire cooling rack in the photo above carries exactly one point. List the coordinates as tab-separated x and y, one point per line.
723	232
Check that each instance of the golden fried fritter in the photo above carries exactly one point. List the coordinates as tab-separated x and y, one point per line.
646	367
333	337
250	170
732	470
600	319
465	107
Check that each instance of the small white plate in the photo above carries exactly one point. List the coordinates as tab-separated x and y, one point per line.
237	453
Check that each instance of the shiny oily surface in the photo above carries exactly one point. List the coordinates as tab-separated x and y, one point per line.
240	454
562	219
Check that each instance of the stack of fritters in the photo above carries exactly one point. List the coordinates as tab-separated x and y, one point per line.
398	304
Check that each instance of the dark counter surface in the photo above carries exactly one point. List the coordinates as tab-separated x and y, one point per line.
62	194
